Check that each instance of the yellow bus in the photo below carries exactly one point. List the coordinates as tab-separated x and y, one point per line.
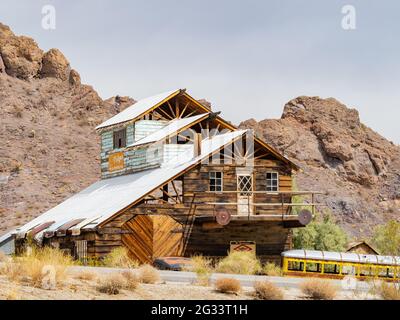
337	265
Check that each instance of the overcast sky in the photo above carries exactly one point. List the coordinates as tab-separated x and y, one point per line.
247	57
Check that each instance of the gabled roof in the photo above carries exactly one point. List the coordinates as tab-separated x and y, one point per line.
139	108
171	128
144	106
105	198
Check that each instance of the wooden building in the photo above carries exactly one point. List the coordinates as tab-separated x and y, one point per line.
362	247
176	180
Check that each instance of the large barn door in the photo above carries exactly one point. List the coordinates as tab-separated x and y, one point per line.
245	194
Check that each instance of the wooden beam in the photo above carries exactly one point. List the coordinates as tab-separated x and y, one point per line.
184	109
170	108
165	114
168	195
176	192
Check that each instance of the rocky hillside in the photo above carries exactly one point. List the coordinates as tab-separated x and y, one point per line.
357	168
49	149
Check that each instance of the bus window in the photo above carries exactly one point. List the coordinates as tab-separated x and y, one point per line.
313	267
295	266
331	268
367	271
385	272
349	270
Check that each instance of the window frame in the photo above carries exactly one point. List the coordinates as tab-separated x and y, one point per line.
277	181
215	178
117	135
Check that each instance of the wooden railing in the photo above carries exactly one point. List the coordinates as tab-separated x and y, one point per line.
281	201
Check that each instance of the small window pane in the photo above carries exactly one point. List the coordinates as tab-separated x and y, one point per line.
272	181
215	180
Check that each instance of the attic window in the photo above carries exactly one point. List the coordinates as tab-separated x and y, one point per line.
120	139
272	181
215	178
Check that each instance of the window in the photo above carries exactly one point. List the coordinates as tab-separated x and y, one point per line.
215	181
120	139
272	181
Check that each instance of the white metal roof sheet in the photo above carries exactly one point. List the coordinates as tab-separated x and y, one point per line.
137	109
341	256
106	197
172	127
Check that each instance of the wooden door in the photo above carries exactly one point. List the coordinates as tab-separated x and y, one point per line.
245	194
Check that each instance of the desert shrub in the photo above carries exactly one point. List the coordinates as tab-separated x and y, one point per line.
228	285
203	269
86	275
131	280
119	258
323	233
318	289
148	274
40	264
239	263
266	290
386	238
111	284
389	291
271	269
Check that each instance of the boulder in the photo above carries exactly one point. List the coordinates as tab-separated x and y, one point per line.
74	78
55	65
21	56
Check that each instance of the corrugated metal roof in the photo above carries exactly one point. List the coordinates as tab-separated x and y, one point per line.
104	198
138	108
172	127
341	256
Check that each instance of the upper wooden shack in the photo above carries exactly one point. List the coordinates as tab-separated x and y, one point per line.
177	180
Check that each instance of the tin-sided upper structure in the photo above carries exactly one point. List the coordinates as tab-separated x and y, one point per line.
176	180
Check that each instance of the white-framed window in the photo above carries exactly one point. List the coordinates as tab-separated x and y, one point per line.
216	180
272	181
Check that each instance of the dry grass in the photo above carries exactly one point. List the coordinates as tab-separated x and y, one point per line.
318	289
389	291
148	274
271	269
86	275
119	258
3	257
203	268
266	290
40	267
111	284
131	280
239	263
13	294
228	285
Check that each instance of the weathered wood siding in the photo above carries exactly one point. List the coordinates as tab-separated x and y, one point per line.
271	238
197	181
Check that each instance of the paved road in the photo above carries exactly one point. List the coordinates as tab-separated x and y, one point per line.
245	280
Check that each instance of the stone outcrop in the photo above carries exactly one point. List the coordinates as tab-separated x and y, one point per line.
55	65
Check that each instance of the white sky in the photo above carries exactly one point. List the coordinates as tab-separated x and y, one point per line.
247	57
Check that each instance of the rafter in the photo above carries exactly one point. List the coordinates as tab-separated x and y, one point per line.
184	109
176	192
168	195
166	114
170	109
